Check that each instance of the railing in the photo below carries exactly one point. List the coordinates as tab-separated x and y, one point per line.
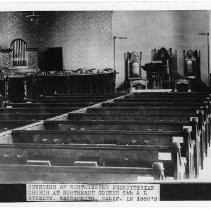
17	88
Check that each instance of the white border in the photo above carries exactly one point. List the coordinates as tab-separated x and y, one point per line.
88	5
77	5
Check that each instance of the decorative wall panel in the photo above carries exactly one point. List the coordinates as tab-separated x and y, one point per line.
5	59
32	58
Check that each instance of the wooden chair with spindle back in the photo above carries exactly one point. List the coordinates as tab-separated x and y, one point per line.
192	74
133	73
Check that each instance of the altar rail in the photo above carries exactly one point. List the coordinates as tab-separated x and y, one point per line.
18	88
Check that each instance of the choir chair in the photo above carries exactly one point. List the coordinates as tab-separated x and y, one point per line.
191	71
133	73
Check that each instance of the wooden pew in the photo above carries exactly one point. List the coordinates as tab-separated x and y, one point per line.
34	112
14	120
206	103
60	107
157	111
142	110
152	110
162	116
156	102
160	105
79	97
108	95
115	137
169	94
40	110
119	137
74	100
163	99
151	99
29	110
10	124
20	173
48	105
124	116
147	125
26	116
19	114
56	101
132	156
138	126
163	102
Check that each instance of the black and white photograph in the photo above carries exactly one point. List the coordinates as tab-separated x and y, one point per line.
104	105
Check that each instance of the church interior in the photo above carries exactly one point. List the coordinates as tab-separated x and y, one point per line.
105	96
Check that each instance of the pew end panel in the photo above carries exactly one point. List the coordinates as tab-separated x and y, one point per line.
180	170
158	170
191	165
196	136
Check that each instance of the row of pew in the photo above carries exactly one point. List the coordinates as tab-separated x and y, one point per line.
131	138
14	115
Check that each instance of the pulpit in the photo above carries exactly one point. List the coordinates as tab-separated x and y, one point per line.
156	71
160	71
133	74
192	75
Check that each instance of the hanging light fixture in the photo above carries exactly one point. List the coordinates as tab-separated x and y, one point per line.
33	17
